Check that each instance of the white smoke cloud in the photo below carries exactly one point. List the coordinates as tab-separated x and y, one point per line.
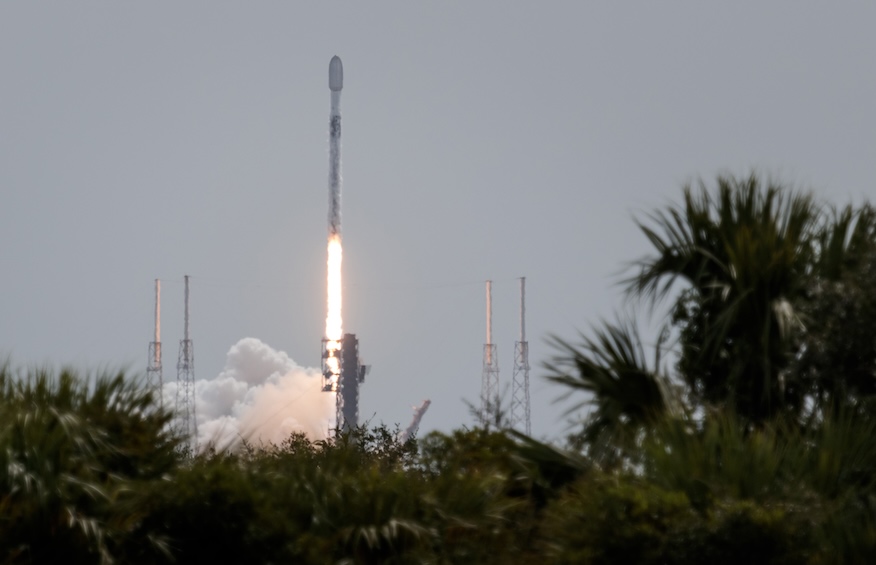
262	396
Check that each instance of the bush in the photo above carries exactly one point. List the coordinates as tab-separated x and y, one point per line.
608	519
604	519
75	454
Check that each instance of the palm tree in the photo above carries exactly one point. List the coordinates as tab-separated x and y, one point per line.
625	392
75	456
742	257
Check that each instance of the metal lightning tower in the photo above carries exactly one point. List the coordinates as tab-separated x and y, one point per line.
520	378
185	379
153	370
490	375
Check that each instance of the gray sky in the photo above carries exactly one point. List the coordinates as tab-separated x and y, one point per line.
481	140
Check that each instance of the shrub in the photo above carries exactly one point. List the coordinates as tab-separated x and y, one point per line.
74	455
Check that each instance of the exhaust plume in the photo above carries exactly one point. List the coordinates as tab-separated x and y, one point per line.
261	396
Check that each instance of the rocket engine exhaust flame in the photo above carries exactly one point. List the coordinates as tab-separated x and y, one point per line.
333	320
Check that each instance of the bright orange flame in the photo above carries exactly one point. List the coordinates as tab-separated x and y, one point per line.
333	321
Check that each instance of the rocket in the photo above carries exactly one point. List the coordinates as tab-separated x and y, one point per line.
336	83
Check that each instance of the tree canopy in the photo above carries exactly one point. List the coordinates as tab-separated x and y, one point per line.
767	303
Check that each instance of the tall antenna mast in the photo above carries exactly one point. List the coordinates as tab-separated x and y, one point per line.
490	375
185	380
153	369
520	380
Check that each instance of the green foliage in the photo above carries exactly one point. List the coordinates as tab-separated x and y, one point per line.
74	455
89	473
360	498
718	493
836	357
604	519
514	488
724	459
749	532
742	256
626	393
823	476
773	312
611	519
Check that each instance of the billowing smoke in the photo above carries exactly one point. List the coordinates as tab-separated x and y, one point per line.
261	396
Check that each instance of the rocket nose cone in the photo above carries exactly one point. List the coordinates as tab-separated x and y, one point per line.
336	74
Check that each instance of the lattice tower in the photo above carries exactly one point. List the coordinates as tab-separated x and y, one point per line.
490	374
185	378
154	372
520	408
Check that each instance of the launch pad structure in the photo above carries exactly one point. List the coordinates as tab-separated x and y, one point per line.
345	384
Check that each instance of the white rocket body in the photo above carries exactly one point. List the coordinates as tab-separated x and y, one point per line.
336	83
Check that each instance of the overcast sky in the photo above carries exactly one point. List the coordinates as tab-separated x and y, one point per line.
480	140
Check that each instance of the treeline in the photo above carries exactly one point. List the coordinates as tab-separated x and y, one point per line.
744	434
